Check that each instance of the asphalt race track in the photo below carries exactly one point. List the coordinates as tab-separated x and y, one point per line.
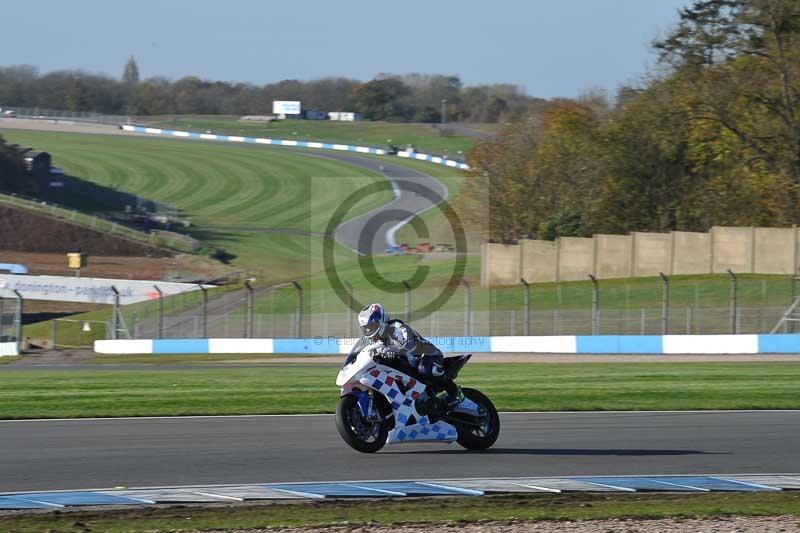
383	219
82	454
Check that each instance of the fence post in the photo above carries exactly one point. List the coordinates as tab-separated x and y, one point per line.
733	301
159	313
467	308
18	319
298	312
349	309
688	320
115	315
665	305
248	323
642	321
2	315
408	301
595	306
204	318
527	306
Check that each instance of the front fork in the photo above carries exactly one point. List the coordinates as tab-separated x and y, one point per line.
365	402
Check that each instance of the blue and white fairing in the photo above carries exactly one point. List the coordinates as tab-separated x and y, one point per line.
401	392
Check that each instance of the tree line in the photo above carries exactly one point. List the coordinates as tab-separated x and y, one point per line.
412	97
711	138
14	177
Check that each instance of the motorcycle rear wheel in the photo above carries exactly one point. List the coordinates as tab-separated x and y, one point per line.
479	437
359	433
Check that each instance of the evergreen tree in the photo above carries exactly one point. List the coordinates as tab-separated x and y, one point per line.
130	76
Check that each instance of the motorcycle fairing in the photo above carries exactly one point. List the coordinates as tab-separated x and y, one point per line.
388	381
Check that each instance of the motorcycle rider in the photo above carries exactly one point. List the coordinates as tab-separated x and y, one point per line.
401	340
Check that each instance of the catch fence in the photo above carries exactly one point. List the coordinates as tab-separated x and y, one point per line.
747	304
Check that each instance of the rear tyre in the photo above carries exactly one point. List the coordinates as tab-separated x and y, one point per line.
363	435
485	434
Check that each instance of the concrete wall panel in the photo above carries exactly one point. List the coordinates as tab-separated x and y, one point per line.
613	256
732	248
691	253
651	253
502	264
539	261
774	250
576	258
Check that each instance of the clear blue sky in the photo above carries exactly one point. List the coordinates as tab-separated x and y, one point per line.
550	47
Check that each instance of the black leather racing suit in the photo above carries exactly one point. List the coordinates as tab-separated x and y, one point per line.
400	339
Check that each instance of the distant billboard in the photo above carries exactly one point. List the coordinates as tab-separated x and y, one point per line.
285	107
87	290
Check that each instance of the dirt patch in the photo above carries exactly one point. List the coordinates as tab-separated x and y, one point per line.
116	266
739	524
45	234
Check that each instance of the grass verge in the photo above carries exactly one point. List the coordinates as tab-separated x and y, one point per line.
425	137
424	511
273	388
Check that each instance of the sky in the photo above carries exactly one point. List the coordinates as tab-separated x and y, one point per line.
549	47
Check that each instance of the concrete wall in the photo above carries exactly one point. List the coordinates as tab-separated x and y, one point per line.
731	248
613	255
691	253
575	258
652	254
775	250
501	264
539	260
743	250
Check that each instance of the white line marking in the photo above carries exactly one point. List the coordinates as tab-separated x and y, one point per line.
41	502
220	496
300	493
591	413
768	487
615	487
470	492
699	489
391	492
527	485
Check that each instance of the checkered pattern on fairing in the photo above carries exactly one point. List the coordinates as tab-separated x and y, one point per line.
384	380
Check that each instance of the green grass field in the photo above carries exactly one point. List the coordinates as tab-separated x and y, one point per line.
425	138
233	195
310	388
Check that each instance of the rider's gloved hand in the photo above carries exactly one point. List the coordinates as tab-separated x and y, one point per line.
385	352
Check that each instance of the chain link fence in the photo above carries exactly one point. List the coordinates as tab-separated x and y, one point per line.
10	317
747	304
42	113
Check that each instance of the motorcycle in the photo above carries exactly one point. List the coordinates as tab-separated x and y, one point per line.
387	401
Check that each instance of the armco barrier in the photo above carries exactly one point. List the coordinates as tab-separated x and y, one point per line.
433	159
289	142
254	140
567	344
9	348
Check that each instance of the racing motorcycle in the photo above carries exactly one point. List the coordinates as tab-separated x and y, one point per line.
387	401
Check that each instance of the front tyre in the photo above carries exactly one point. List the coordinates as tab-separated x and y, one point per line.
484	432
362	434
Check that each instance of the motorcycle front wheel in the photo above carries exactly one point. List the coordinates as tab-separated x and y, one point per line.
484	430
362	434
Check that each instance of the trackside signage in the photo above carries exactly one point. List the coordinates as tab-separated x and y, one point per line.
88	290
